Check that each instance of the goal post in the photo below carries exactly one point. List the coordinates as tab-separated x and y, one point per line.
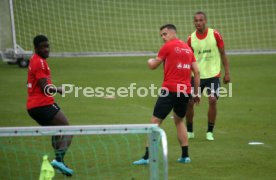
6	29
92	143
10	51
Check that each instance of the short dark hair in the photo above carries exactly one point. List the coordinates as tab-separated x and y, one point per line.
202	13
168	26
39	39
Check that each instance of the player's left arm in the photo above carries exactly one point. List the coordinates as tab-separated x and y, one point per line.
196	73
42	77
48	88
224	59
225	63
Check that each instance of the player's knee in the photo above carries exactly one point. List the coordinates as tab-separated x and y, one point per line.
68	139
60	119
212	101
155	120
177	119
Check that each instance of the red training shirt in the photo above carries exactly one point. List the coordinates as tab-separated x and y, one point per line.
38	68
178	58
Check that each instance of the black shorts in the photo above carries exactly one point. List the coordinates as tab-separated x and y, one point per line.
45	114
176	101
211	84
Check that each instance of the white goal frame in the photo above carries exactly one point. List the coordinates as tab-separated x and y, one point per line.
154	134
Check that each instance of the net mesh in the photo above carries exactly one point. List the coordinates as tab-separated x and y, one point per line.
123	25
90	156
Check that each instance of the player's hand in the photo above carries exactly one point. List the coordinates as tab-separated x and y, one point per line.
60	90
196	99
226	78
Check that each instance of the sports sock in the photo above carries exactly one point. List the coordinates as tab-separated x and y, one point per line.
184	151
189	126
60	155
210	127
146	156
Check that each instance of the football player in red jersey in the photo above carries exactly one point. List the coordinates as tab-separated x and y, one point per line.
40	102
178	62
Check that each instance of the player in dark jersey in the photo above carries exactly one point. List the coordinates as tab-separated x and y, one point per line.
40	102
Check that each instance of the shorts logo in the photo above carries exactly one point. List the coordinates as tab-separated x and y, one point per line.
54	106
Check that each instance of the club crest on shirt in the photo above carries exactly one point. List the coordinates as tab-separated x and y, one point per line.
177	50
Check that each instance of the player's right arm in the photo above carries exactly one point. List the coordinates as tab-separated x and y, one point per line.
153	63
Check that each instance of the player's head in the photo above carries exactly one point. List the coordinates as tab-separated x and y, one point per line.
41	45
200	19
168	32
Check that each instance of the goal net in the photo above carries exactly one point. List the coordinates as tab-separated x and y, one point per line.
117	26
96	152
5	26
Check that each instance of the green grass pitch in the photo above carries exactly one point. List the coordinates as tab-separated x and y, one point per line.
247	116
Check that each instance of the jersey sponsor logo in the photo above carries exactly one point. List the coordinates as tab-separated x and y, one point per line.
205	51
179	66
183	66
186	66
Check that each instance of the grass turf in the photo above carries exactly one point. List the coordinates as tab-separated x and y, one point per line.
247	116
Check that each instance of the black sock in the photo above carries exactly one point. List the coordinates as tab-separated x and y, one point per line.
184	151
60	155
189	126
210	127
146	156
